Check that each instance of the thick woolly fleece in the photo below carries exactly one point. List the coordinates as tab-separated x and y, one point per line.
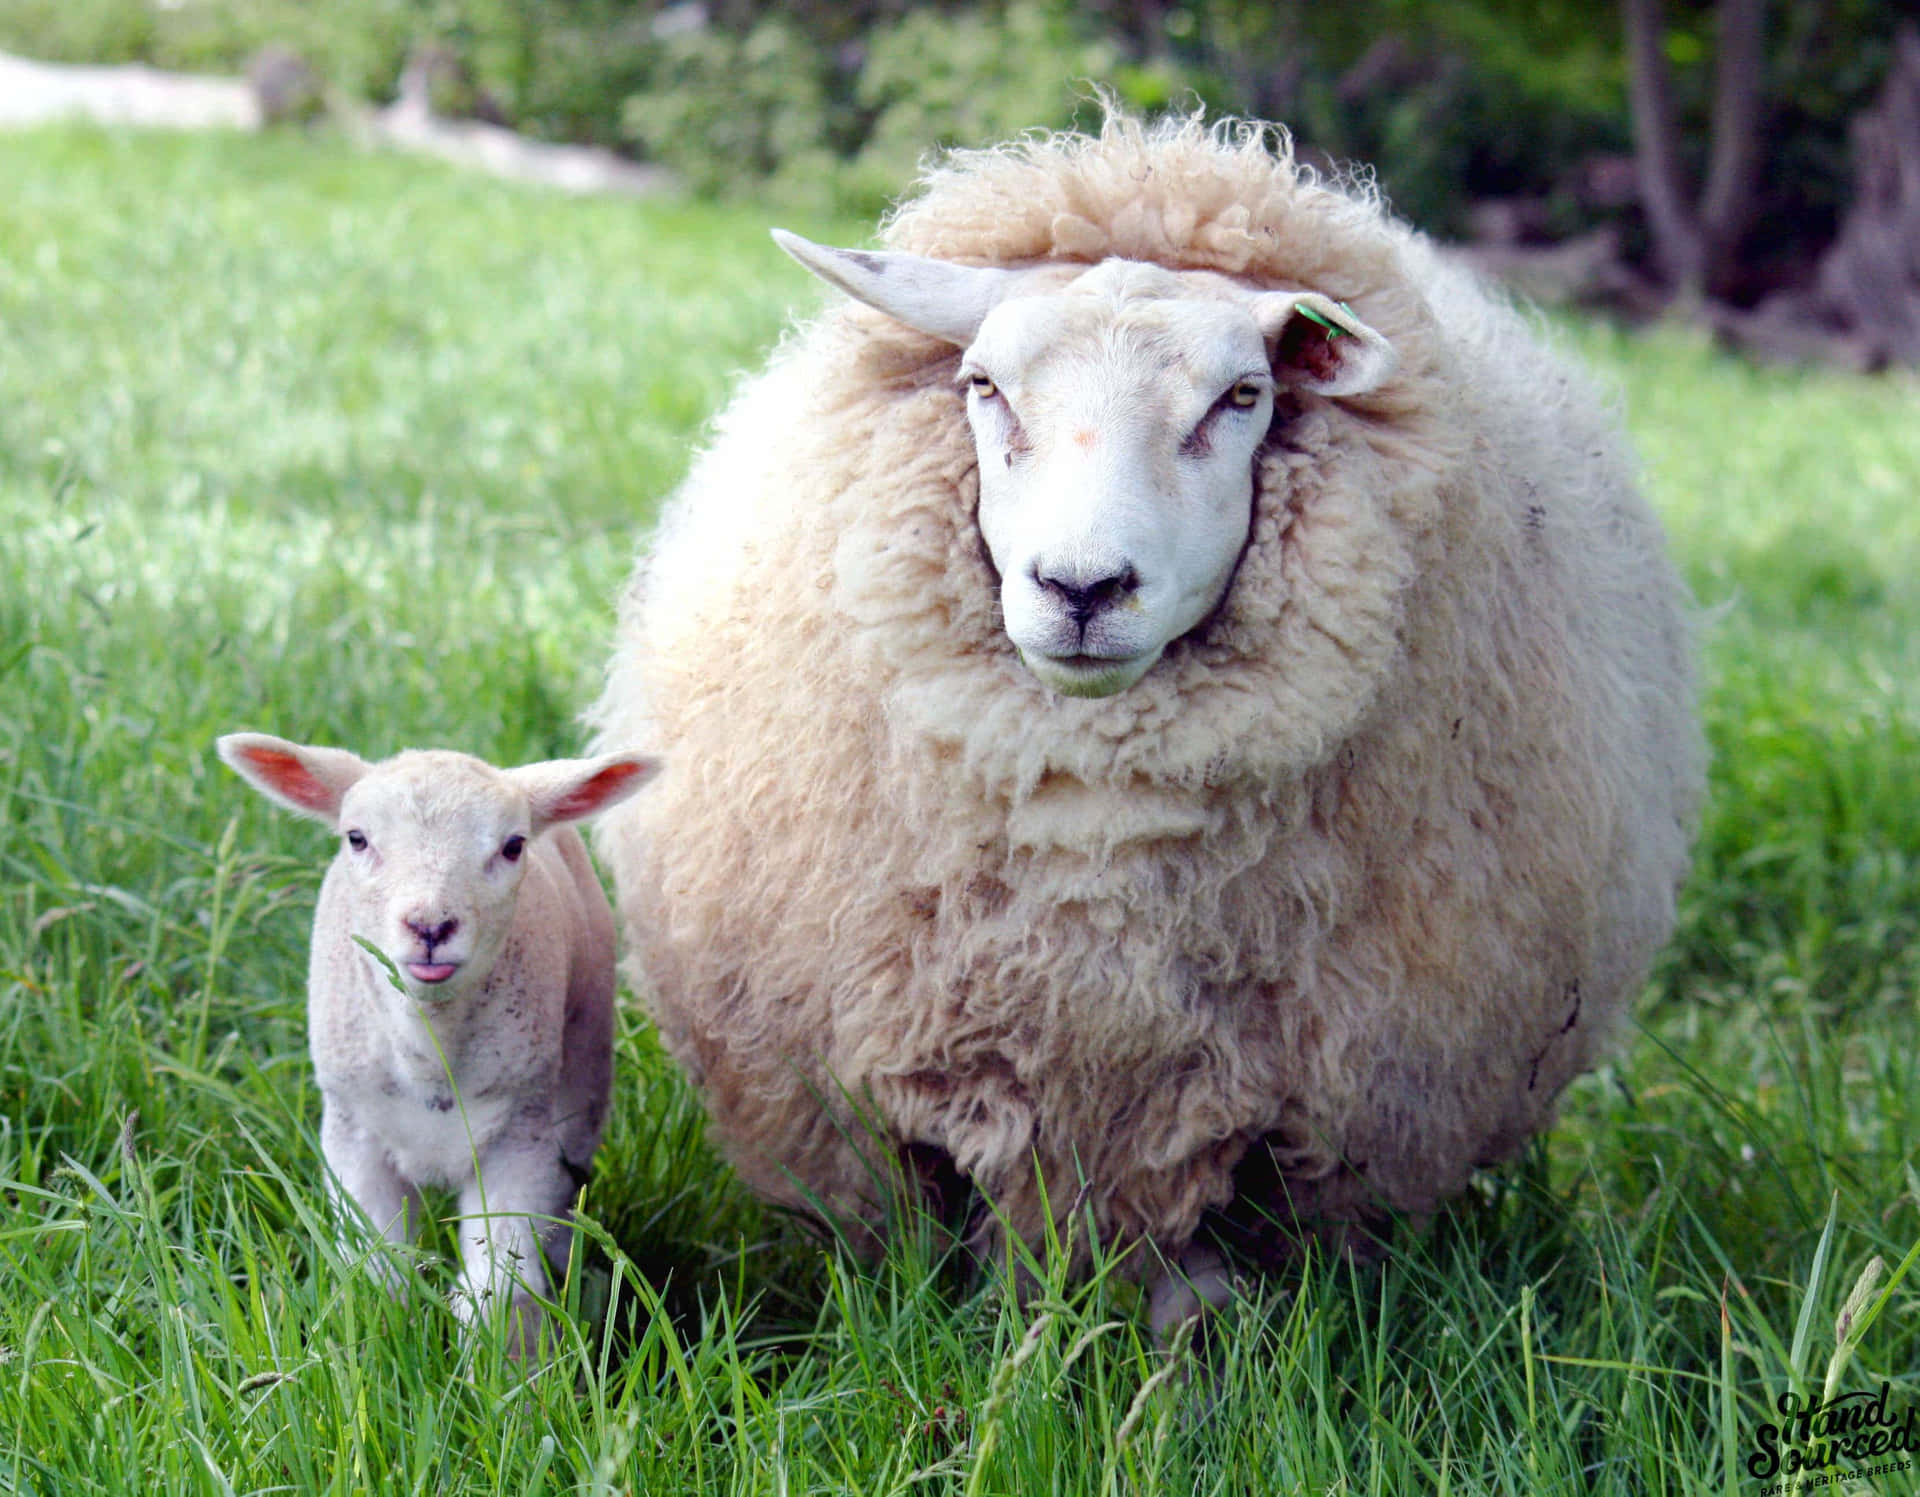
1359	874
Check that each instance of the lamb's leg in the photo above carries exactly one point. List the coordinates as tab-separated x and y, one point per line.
360	1171
507	1216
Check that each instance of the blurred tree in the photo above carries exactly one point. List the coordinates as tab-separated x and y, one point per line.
1707	143
1446	101
1869	280
1696	245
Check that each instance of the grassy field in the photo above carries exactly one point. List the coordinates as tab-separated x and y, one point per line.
357	451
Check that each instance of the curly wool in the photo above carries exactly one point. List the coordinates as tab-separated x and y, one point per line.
1361	873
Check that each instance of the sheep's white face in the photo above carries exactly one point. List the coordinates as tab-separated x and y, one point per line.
434	845
1117	416
1116	435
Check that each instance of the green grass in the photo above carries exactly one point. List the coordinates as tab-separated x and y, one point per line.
357	451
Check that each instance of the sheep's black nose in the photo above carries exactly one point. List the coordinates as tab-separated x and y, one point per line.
433	935
1086	596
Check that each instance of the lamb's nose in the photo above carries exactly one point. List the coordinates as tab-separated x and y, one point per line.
433	935
1085	596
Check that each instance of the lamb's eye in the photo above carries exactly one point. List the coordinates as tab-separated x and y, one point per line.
513	847
983	386
357	840
1246	395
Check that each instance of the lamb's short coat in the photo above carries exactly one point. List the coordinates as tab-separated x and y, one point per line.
472	1046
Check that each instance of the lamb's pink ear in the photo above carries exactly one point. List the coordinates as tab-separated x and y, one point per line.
570	789
310	781
1317	344
934	296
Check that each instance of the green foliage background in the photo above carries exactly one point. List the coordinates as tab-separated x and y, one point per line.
825	106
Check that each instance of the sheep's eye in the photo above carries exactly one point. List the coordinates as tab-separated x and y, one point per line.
513	847
357	840
1246	395
983	386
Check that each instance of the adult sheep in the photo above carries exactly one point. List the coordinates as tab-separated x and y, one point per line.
1174	683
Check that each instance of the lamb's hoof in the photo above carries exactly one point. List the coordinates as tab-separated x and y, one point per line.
386	1269
524	1331
525	1317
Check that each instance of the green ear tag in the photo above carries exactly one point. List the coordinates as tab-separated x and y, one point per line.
1334	330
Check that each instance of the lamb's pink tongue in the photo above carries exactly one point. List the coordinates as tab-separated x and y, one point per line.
432	971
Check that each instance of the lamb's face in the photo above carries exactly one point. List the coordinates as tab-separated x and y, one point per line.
1117	413
434	862
433	844
1116	430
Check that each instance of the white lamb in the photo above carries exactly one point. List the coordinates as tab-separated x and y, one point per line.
487	1068
1187	704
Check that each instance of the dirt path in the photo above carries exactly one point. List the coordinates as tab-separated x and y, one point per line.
33	93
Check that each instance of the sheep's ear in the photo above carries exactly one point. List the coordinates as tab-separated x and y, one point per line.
310	781
934	296
1317	344
570	789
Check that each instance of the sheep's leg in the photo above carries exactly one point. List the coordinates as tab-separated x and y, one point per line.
1197	1284
586	1069
507	1218
360	1172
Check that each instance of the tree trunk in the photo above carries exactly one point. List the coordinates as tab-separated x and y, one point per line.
1679	247
1869	280
1863	312
1726	208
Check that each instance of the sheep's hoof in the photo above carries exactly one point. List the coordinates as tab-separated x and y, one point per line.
1198	1285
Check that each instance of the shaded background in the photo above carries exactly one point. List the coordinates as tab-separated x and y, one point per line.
1757	164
